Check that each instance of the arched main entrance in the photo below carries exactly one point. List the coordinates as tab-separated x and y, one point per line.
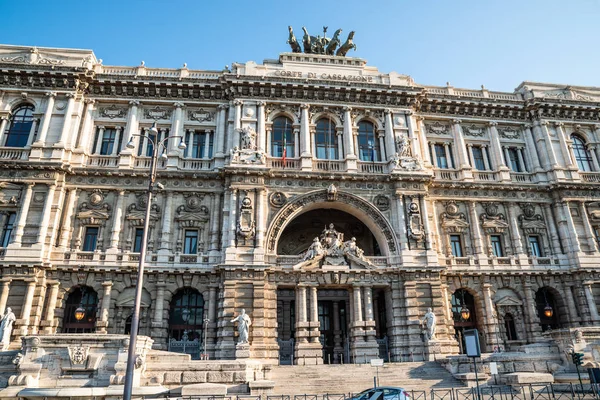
86	298
358	208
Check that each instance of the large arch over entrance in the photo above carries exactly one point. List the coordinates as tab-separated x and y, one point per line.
366	212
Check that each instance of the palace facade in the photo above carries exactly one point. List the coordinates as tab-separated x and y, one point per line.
331	201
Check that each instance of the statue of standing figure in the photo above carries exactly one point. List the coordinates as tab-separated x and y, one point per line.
244	323
429	320
6	327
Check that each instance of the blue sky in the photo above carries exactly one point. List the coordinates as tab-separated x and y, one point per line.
467	43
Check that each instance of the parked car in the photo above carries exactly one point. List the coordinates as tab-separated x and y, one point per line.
382	393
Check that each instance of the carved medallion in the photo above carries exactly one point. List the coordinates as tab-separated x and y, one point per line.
112	112
277	199
382	202
157	113
200	115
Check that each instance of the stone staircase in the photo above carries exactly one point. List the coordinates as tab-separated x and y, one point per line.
354	378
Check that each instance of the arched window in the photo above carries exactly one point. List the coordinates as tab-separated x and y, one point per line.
582	155
187	314
368	145
282	137
20	126
462	301
84	297
326	141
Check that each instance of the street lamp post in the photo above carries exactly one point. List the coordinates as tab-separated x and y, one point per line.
157	146
206	321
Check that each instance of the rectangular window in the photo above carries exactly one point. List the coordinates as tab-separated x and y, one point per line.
190	245
456	245
496	241
513	160
8	229
137	241
478	161
534	246
90	239
108	142
440	156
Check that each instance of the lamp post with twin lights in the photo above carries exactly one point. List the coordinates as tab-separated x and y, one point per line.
158	150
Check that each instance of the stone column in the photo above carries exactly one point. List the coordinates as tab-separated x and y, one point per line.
220	132
47	210
459	143
358	314
4	295
348	137
117	222
212	318
176	129
402	233
100	135
260	126
427	161
425	220
514	228
4	121
477	239
165	237
530	311
132	125
591	302
470	155
207	134
496	147
554	238
214	230
260	222
66	229
232	217
571	306
64	133
522	159
390	142
564	147
301	312
370	331
572	230
26	310
49	323
305	143
158	330
531	148
587	227
115	149
237	123
486	161
31	131
83	141
102	325
552	160
314	315
46	120
23	211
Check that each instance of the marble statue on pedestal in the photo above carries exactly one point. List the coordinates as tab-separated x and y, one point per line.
244	323
429	322
6	327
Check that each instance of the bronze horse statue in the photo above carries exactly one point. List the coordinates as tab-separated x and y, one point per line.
293	42
346	46
315	44
333	43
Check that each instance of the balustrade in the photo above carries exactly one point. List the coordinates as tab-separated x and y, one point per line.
593	177
11	153
485	176
372	167
103	161
195	164
277	163
447	174
329	165
521	177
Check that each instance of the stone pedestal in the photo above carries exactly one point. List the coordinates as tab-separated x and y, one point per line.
242	351
308	354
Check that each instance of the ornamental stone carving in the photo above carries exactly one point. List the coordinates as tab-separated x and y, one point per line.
112	112
136	212
95	211
403	158
437	128
382	202
415	222
453	221
474	130
531	223
157	113
78	354
277	199
200	115
246	227
492	221
509	133
321	45
248	153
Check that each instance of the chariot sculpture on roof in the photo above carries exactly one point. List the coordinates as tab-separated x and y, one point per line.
321	45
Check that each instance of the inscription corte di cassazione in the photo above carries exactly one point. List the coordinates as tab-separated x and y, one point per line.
333	77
